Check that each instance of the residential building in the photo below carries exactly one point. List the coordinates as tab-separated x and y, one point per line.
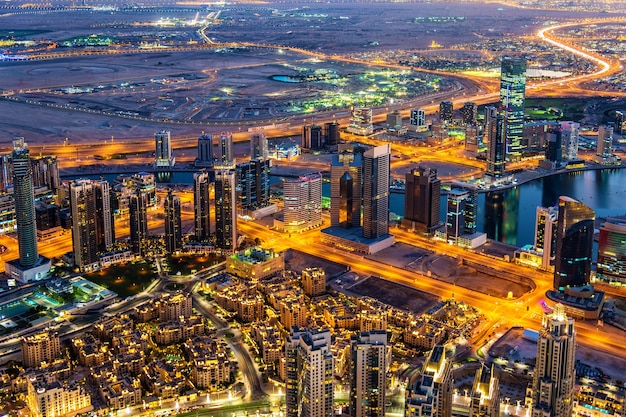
309	374
201	205
552	390
258	146
312	137
361	121
225	158
139	223
346	171
417	119
368	374
430	395
41	347
84	233
545	236
469	111
569	131
495	136
303	202
313	281
446	111
163	157
205	156
611	265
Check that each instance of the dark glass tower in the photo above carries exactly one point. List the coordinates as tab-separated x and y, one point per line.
574	242
201	206
24	204
422	199
205	151
495	128
346	170
225	216
513	96
138	222
173	227
376	171
84	234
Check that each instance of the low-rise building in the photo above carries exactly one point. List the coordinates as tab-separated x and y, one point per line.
255	263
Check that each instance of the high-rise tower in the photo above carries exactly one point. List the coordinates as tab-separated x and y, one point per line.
139	222
225	147
303	202
605	142
470	113
163	157
574	243
545	228
368	372
201	206
570	139
173	227
205	151
446	111
512	97
552	389
105	223
258	146
376	172
494	132
24	204
84	234
312	137
309	372
422	199
225	215
431	394
346	171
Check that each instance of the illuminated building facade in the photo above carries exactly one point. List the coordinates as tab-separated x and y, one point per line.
512	97
40	347
495	136
258	146
569	131
24	195
46	172
225	147
376	172
471	138
163	157
431	393
469	111
462	213
545	236
253	179
574	243
611	264
368	374
346	171
620	122
205	156
225	213
303	202
52	399
309	374
605	142
552	391
417	118
201	206
361	121
173	226
139	222
84	229
446	111
422	200
313	281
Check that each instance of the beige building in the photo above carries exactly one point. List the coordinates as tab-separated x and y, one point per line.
293	312
314	281
431	393
178	330
120	392
255	263
57	399
211	367
40	347
174	306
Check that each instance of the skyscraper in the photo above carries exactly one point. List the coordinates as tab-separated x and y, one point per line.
611	264
545	236
431	393
345	189
446	111
368	374
205	151
470	113
46	172
512	97
24	204
225	215
570	140
105	223
417	118
225	147
309	374
84	236
201	206
462	212
422	200
331	133
139	222
258	146
303	202
253	179
361	121
605	142
173	227
163	157
552	389
554	151
574	243
376	172
312	137
494	132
